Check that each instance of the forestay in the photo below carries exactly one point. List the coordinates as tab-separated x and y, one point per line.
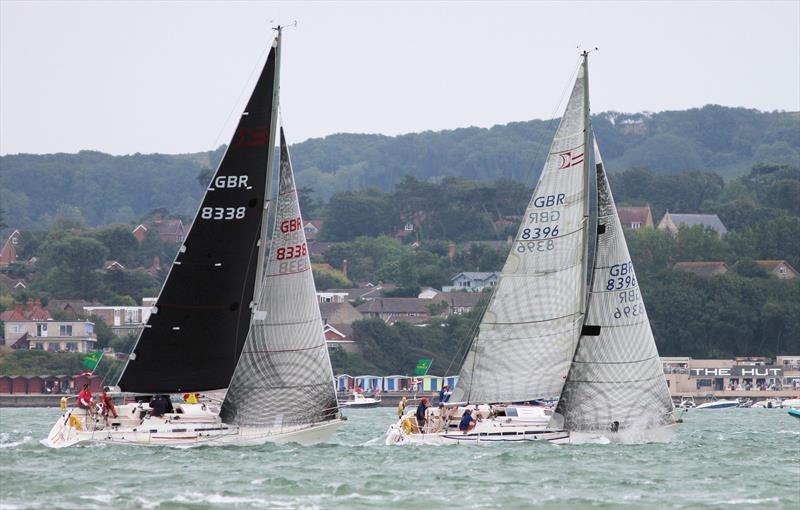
284	375
198	327
616	375
529	332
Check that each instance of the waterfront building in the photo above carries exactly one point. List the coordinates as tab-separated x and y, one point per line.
472	281
32	327
123	320
687	376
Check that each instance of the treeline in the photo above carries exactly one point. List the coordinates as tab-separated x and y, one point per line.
99	189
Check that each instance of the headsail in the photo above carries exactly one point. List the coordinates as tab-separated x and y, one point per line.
193	338
529	332
284	374
616	375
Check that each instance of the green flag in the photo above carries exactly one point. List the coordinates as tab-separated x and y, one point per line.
422	366
92	360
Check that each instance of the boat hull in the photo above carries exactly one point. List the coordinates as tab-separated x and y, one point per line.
201	431
794	413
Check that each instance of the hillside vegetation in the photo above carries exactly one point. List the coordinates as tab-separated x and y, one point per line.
98	188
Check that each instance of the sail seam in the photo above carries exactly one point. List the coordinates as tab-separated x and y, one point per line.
615	362
260	351
615	382
534	322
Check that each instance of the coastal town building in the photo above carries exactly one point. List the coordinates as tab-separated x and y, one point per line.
396	309
704	269
168	230
8	251
472	281
779	268
32	327
673	222
634	218
687	376
312	229
123	320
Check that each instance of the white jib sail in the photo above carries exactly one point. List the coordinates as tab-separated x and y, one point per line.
284	374
616	379
530	330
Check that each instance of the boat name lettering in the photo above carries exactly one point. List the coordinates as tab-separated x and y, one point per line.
536	233
230	181
222	213
291	252
549	200
532	246
291	225
544	216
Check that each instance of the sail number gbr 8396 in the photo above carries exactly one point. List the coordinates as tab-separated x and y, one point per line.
540	238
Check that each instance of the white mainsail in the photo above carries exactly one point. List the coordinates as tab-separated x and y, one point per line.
616	379
530	330
284	375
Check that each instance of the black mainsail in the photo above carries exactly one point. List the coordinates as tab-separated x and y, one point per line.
193	339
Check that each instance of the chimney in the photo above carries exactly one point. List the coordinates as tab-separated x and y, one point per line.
451	251
344	268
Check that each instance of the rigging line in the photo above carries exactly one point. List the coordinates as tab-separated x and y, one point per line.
247	86
549	126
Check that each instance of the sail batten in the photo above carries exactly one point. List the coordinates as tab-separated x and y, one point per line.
616	380
284	373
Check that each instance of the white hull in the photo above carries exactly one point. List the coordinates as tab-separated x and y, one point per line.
718	404
202	428
525	424
360	401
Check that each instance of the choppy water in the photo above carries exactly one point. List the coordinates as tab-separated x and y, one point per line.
745	458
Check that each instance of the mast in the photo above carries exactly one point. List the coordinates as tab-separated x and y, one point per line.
273	125
586	132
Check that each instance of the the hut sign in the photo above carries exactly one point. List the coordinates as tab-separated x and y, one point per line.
744	371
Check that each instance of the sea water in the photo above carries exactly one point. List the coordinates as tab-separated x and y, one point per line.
740	458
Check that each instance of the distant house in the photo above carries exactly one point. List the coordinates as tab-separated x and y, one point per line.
312	229
73	307
396	309
472	281
779	268
411	225
428	293
673	221
704	269
123	320
316	249
340	335
460	302
12	284
366	291
33	326
339	313
634	218
169	230
8	252
331	297
113	265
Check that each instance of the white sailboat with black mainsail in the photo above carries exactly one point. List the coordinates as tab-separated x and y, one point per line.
231	315
545	335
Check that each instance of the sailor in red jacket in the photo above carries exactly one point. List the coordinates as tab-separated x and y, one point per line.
108	404
85	399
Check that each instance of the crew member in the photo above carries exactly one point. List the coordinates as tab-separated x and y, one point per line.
401	407
85	399
421	413
444	394
467	422
108	404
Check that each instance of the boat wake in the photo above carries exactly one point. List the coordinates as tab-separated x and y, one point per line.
5	441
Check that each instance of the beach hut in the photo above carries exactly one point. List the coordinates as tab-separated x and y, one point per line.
36	384
396	383
19	384
431	383
5	384
369	383
451	380
344	383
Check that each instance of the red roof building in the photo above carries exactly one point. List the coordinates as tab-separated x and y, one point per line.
8	252
634	218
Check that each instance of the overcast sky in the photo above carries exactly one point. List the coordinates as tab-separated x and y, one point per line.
173	76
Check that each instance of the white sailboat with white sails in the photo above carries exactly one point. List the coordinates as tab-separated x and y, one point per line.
230	315
546	335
